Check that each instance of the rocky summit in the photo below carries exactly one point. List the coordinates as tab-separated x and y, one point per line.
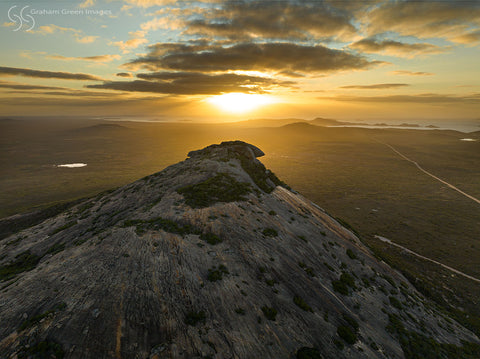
213	257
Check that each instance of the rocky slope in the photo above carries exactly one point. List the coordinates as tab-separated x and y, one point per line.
213	257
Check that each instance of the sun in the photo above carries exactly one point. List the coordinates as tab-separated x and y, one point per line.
240	102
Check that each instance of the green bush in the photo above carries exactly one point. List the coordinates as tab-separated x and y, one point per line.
270	232
390	280
56	248
220	188
42	350
308	353
351	254
193	317
346	334
270	313
348	279
240	311
301	304
308	270
330	268
339	344
342	286
215	274
351	321
210	238
395	302
270	282
65	226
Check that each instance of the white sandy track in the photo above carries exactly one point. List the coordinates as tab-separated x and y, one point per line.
386	240
430	174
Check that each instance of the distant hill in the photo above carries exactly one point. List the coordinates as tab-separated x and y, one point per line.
267	122
298	125
7	120
213	257
99	130
319	121
329	122
102	127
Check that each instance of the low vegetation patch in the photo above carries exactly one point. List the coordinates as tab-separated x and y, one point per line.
270	232
301	304
344	284
193	318
390	280
395	302
347	334
339	344
211	238
329	267
41	350
216	274
56	248
37	318
347	226
270	313
82	208
351	321
260	175
220	188
419	346
23	262
62	228
308	270
240	311
308	353
270	282
351	254
160	223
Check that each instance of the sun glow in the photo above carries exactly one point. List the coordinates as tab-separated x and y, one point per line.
240	102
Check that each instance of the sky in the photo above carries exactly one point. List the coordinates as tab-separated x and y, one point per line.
212	60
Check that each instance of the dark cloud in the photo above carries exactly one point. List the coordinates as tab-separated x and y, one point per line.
66	93
411	73
82	102
124	74
98	58
374	87
49	90
429	98
396	48
457	21
274	20
13	71
19	86
278	57
290	74
193	83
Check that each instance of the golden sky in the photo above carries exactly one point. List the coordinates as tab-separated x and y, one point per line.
218	60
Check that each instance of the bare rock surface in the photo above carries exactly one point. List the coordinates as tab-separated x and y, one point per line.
213	257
